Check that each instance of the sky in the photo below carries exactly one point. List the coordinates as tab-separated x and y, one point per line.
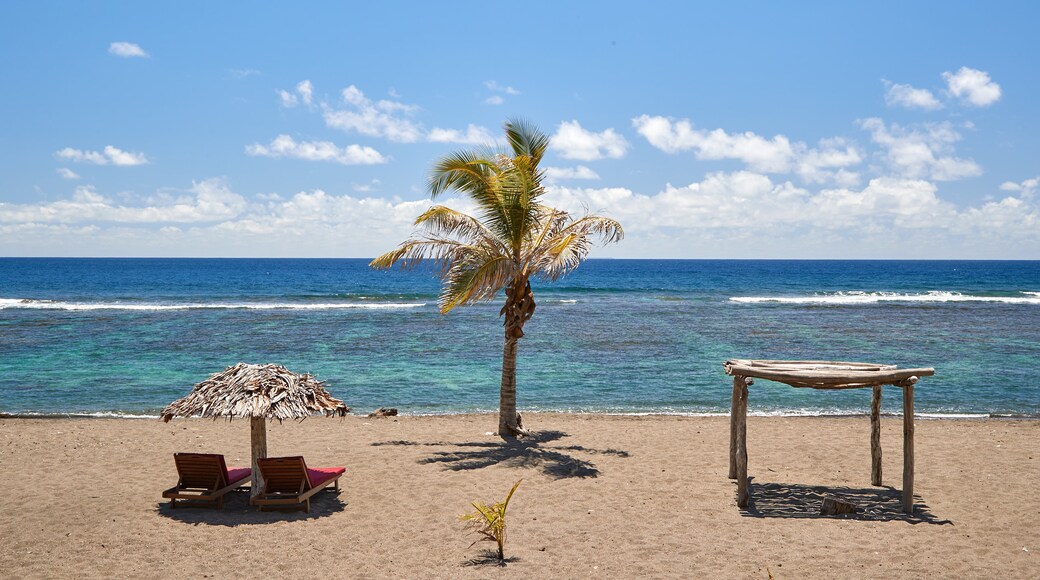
883	130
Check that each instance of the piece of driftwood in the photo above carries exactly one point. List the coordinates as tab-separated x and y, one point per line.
875	436
822	374
384	412
835	506
738	382
908	446
258	451
742	459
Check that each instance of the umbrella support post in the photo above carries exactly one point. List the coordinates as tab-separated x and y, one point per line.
258	448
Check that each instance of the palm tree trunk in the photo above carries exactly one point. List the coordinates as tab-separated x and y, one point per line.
518	309
507	424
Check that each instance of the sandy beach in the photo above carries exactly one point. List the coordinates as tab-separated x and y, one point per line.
602	496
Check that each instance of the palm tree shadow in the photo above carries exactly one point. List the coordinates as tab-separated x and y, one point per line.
788	500
556	461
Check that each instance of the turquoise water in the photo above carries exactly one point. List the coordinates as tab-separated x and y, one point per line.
127	336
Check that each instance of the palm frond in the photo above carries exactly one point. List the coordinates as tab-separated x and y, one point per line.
439	253
464	171
443	221
476	278
525	139
569	244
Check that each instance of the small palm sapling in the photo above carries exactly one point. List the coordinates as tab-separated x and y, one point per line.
490	521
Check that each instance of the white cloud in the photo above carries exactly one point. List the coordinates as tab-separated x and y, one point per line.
738	214
972	86
67	173
579	172
1027	189
910	97
921	151
288	100
303	92
745	214
109	156
747	200
286	146
761	154
827	162
571	141
498	99
125	158
384	118
306	91
243	73
494	86
127	50
366	187
206	201
474	135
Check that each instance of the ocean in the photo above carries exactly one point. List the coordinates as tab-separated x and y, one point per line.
124	337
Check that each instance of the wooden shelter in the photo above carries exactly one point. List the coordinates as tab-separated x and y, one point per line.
259	392
824	375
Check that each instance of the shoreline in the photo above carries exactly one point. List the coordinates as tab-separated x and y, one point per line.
760	414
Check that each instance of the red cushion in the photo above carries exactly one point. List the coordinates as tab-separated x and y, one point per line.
319	475
236	474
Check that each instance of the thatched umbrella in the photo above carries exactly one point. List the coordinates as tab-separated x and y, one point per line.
259	392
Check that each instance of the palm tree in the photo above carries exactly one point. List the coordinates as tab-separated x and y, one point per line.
514	239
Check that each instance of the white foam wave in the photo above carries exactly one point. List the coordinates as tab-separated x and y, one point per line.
77	306
824	413
84	415
858	297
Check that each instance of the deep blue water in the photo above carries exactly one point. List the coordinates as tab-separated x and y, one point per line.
130	335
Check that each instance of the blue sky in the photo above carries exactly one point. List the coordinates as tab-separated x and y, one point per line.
750	130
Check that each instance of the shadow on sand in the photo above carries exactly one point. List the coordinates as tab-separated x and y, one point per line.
877	504
556	461
489	558
238	512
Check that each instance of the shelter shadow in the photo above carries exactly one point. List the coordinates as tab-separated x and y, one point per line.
789	500
237	511
556	461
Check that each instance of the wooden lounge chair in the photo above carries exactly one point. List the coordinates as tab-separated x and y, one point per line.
288	482
204	479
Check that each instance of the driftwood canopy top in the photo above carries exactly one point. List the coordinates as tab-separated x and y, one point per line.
257	391
825	374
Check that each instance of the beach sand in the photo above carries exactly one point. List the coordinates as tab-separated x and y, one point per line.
602	496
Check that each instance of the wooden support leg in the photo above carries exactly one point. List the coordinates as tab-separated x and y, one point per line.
738	384
875	437
742	477
258	449
908	445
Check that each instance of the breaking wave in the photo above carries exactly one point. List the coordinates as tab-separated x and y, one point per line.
157	306
858	297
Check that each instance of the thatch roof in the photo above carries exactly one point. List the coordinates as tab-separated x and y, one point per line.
263	391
